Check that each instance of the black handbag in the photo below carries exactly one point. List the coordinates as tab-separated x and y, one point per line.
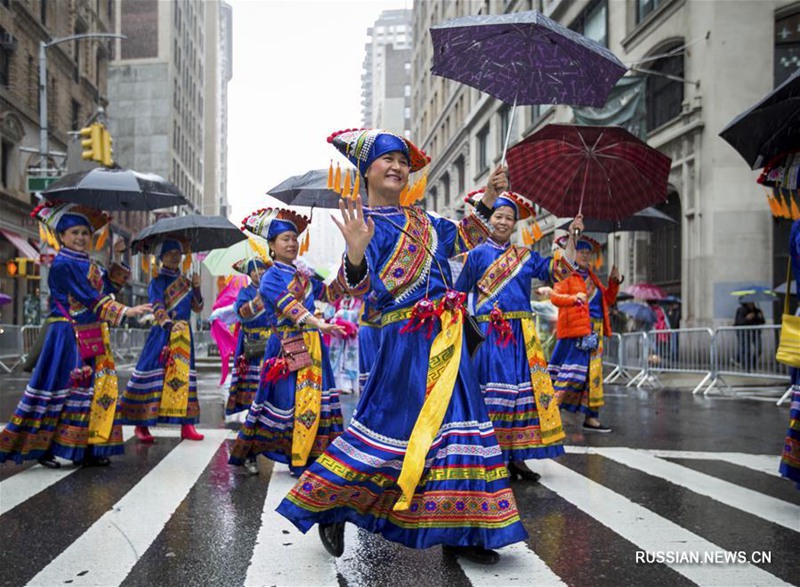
254	347
473	334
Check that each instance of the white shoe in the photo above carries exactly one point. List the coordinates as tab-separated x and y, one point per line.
252	467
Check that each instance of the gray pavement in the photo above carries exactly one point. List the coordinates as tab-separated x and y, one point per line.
680	478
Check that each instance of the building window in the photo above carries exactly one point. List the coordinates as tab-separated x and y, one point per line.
665	246
664	90
592	23
505	120
483	146
43	11
432	198
787	48
5	64
6	148
446	187
75	118
461	179
645	7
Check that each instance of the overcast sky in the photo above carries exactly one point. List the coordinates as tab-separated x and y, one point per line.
296	79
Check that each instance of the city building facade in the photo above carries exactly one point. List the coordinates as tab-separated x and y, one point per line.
701	63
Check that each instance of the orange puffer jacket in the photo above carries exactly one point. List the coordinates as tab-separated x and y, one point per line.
573	320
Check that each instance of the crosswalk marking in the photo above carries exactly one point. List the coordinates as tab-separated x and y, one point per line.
20	487
769	508
518	566
768	464
120	537
647	530
283	555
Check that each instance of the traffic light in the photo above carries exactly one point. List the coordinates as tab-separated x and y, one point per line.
92	143
106	159
11	268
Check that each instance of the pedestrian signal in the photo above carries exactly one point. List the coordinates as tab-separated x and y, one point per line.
11	268
92	142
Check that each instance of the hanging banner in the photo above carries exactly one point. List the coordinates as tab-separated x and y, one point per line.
625	107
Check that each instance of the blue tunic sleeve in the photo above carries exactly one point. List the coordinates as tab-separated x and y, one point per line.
71	277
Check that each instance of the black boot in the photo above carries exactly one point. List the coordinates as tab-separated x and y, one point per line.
515	472
95	462
332	536
476	554
49	461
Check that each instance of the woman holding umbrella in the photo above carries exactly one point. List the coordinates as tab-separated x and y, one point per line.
163	387
296	412
419	463
253	334
511	366
576	366
69	408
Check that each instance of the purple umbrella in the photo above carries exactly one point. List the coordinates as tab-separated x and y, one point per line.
4	299
525	58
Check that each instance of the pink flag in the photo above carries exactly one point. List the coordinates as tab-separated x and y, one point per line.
223	334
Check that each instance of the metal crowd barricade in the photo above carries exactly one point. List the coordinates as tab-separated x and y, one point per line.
612	357
747	352
633	358
681	351
10	346
28	333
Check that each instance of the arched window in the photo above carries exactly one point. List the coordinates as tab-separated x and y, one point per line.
664	91
787	47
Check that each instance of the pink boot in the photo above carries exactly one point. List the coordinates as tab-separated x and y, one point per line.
143	434
188	432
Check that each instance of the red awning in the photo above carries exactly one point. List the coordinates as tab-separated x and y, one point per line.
26	249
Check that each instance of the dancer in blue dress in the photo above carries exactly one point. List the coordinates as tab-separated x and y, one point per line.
419	462
790	457
254	330
511	365
69	408
163	387
296	412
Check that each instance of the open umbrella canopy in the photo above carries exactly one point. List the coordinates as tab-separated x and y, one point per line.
645	220
603	172
524	58
646	291
781	289
202	233
769	127
116	189
5	299
639	312
755	293
309	189
220	261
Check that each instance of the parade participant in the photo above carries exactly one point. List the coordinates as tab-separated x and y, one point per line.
511	366
163	387
419	462
69	408
296	411
790	457
252	340
116	277
576	366
369	338
344	347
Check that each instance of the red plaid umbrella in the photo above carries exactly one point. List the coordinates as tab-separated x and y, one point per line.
646	291
603	172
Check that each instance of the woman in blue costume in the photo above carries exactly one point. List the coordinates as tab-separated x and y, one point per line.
419	462
369	337
295	414
576	365
69	408
254	328
511	365
790	458
163	387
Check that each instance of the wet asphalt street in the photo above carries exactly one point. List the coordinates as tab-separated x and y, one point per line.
680	485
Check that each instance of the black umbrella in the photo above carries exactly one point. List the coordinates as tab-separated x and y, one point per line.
116	189
769	127
309	189
646	220
203	233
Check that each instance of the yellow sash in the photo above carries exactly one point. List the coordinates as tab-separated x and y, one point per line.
307	402
175	394
106	392
550	426
595	382
443	364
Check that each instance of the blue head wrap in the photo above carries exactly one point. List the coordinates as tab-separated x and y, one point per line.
169	245
67	221
584	245
254	264
501	201
277	227
384	143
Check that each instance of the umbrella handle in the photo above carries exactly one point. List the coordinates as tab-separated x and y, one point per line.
508	131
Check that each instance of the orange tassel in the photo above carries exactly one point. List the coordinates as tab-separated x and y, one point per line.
346	188
795	210
145	269
356	185
404	196
102	237
526	238
600	261
330	176
153	267
537	232
785	209
337	180
187	262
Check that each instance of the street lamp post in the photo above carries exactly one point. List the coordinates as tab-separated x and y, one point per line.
44	149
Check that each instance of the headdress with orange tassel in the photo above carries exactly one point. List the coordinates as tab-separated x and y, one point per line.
55	217
780	181
523	210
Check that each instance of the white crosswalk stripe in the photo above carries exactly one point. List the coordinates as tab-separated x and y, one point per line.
282	555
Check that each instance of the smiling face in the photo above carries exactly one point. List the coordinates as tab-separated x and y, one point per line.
583	257
171	259
285	247
503	220
78	238
388	175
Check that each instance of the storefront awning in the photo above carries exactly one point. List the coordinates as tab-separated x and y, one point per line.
26	249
